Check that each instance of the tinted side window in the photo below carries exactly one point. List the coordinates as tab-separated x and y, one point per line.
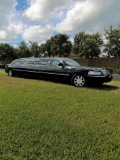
31	62
55	62
42	62
18	61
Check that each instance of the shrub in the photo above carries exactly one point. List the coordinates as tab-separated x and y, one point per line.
2	66
110	70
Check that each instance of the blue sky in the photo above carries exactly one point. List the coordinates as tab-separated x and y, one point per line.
38	20
22	5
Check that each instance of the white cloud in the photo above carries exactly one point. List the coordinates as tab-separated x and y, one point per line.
44	17
87	16
6	11
11	32
42	10
8	29
76	17
38	33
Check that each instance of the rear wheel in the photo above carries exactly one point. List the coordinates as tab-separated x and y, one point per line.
78	81
10	73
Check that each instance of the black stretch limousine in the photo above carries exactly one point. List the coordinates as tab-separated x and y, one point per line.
58	68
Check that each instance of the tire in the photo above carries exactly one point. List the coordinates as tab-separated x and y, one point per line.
78	81
10	73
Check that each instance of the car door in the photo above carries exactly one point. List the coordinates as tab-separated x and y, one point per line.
28	67
59	72
40	67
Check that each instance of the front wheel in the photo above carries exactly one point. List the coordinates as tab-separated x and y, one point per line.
78	81
10	73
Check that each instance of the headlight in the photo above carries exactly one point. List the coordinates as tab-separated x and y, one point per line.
95	73
105	72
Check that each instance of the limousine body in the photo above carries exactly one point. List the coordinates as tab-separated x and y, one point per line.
58	68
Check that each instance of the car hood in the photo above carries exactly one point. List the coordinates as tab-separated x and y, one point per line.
85	68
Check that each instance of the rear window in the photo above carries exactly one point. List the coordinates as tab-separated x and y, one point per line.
18	61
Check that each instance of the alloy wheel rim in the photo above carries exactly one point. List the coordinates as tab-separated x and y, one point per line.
10	73
79	81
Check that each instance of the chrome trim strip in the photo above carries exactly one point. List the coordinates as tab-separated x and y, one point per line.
52	73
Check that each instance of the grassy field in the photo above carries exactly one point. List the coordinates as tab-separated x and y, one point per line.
42	120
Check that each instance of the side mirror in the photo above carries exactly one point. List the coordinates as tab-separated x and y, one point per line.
61	64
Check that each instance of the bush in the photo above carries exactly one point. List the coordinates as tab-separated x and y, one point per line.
2	66
113	70
116	71
110	70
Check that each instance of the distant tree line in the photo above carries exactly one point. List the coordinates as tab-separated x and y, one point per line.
84	45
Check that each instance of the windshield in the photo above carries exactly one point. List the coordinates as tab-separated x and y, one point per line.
70	62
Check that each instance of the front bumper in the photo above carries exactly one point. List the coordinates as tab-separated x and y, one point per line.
99	79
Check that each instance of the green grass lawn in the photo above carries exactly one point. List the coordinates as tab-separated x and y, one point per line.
42	120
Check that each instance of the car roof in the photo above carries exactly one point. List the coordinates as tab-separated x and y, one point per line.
40	58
